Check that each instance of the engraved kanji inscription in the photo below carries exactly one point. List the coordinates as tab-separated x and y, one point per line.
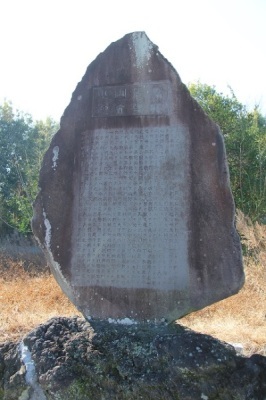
131	211
149	98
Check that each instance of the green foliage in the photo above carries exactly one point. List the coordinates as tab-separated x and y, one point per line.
245	139
23	143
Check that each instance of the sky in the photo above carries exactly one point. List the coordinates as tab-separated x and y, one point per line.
46	45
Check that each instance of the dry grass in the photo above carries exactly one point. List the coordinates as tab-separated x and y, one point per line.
28	299
241	318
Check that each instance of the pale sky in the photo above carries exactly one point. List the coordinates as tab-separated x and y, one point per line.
46	45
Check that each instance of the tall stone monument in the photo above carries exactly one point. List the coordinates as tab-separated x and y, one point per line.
135	212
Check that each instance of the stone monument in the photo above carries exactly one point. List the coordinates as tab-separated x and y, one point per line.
135	213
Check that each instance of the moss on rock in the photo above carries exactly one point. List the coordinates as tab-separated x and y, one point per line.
77	360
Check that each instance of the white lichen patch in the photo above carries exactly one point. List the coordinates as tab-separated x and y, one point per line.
48	230
31	377
142	47
239	348
124	321
56	266
55	156
28	362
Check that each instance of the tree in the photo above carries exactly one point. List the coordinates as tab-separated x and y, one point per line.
23	143
245	139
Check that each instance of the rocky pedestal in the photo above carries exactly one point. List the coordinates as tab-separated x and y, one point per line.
135	212
67	359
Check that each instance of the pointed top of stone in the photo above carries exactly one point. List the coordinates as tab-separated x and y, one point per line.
142	48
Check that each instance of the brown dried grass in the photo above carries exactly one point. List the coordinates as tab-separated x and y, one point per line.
27	300
240	318
30	298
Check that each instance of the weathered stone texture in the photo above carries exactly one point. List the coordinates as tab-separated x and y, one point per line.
72	361
135	211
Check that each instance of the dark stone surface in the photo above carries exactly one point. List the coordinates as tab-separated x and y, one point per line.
135	212
12	372
74	361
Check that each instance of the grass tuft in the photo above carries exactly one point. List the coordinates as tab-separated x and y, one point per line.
28	299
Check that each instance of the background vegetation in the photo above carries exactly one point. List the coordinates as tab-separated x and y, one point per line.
245	139
24	141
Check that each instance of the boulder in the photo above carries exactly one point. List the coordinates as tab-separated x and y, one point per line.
72	359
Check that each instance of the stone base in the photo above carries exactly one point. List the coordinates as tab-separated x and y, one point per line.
67	358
